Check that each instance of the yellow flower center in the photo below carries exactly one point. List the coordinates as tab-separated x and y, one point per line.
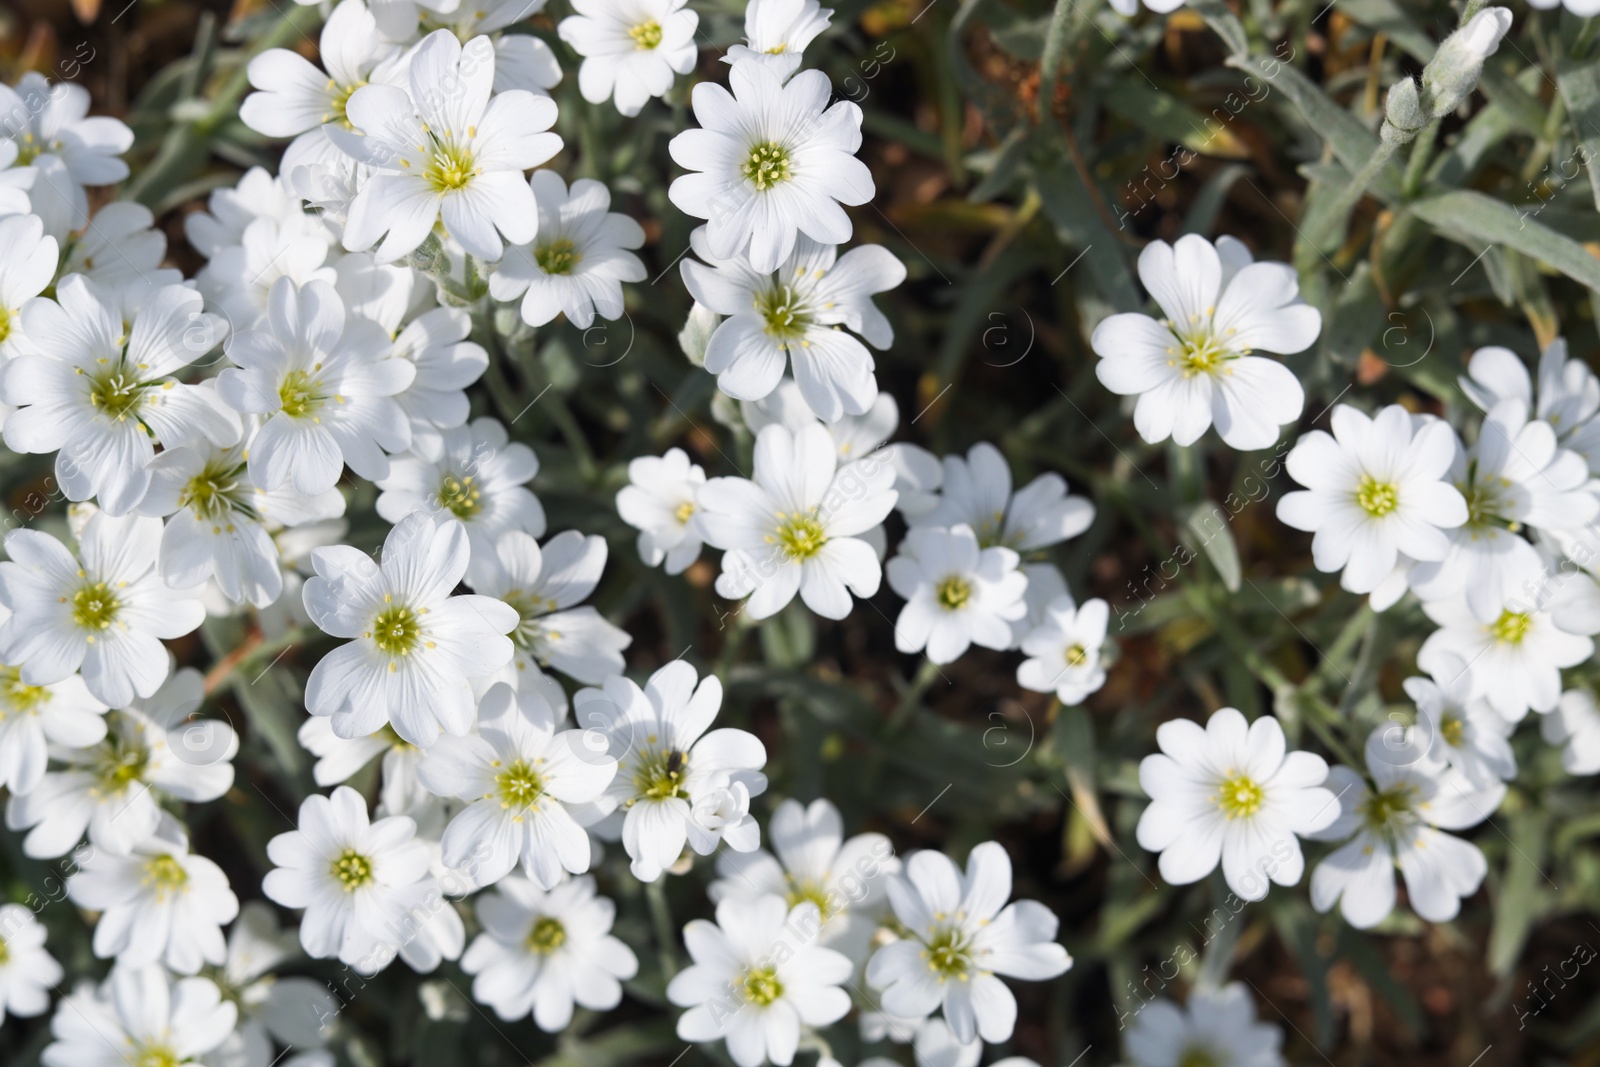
953	593
30	148
518	786
766	165
396	630
1076	655
5	952
799	535
804	892
1203	355
116	395
300	395
212	494
5	323
166	874
646	35
450	168
1239	796
352	869
1377	498
155	1056
1453	729
1511	627
119	764
94	606
1196	1056
949	954
661	774
460	496
546	936
18	697
339	99
761	986
784	314
685	511
558	257
1380	809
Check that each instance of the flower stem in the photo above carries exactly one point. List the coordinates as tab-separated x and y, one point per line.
912	696
661	918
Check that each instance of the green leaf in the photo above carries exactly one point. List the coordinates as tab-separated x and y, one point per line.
1476	221
1386	17
1580	88
1078	225
1519	899
1352	143
1209	522
1173	121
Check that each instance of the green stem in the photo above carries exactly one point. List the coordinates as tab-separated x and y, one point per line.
661	918
1350	195
913	696
1421	156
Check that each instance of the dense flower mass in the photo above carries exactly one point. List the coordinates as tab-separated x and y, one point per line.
615	508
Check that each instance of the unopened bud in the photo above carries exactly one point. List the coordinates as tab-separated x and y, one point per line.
1403	110
1453	72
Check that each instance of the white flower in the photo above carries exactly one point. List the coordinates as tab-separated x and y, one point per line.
239	280
154	749
544	586
104	611
230	210
1464	732
579	260
1218	1027
675	780
339	758
1515	478
1065	651
27	970
54	134
757	978
357	880
414	647
1513	662
296	97
962	936
632	50
771	161
977	493
32	717
846	880
27	267
777	31
542	951
1581	8
474	474
1396	820
795	527
1195	366
519	775
794	316
856	436
1376	492
139	1015
296	1012
15	181
121	253
1568	394
445	152
1575	722
221	526
957	594
103	394
1228	791
660	502
324	386
435	342
1130	8
521	60
159	903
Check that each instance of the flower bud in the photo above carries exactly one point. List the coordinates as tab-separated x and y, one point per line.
1404	112
1453	72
